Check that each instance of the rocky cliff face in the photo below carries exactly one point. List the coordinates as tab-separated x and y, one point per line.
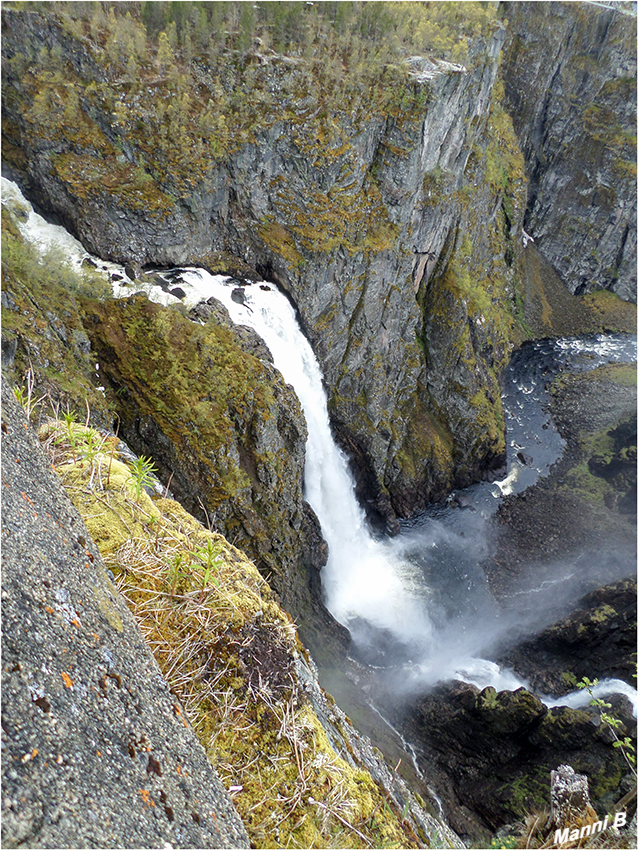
222	427
96	751
394	233
90	724
570	82
203	400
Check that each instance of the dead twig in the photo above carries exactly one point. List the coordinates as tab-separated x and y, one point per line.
340	819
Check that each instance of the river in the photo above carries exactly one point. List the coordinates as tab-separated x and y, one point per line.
419	604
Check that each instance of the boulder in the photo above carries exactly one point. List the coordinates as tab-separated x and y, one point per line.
489	754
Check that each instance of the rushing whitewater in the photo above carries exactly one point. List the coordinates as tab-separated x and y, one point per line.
46	236
371	582
363	579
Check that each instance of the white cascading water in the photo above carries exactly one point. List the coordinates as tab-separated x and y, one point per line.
365	579
46	236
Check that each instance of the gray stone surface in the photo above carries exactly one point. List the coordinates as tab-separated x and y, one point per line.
570	83
96	750
361	275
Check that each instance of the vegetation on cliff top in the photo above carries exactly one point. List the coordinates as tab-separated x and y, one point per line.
230	654
164	91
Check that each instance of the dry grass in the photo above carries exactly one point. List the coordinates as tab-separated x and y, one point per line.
229	653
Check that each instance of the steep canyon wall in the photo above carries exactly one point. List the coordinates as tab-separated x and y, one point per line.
395	233
570	83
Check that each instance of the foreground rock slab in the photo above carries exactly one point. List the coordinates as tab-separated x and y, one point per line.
96	751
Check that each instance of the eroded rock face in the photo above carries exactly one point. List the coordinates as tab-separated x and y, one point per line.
570	82
395	235
96	750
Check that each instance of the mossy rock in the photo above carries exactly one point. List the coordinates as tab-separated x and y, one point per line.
507	712
231	655
42	326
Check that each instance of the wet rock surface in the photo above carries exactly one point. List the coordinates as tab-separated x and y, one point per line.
96	750
490	754
597	640
580	520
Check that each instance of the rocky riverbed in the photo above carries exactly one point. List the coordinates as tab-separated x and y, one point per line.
579	520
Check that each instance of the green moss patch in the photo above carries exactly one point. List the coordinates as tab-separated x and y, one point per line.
612	313
191	377
41	318
229	653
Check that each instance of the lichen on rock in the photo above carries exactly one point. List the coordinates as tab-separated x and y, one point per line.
570	72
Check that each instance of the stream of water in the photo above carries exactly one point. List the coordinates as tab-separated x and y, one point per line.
419	602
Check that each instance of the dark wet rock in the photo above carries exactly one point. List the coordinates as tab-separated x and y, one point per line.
596	640
9	348
96	750
462	500
489	754
201	312
177	292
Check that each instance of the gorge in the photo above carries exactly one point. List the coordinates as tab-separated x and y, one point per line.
395	231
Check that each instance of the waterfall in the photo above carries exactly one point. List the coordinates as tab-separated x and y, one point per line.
364	579
46	236
368	583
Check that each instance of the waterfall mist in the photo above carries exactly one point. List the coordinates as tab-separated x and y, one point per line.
368	585
418	606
